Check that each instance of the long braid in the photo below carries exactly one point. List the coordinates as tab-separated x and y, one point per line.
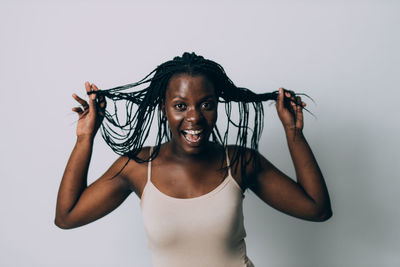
128	137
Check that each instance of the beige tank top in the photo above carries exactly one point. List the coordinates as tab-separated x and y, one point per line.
204	231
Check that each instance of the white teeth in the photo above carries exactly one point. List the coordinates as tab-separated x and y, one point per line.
193	141
193	131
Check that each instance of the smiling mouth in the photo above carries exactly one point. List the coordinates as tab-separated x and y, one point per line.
193	136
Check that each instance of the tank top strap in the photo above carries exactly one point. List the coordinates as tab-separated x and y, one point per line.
149	165
228	162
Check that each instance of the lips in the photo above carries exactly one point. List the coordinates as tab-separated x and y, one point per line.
193	136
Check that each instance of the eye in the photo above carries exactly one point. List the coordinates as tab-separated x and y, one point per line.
180	107
207	105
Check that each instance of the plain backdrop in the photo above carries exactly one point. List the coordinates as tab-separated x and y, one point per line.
344	54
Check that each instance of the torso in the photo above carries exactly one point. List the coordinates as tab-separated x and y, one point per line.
179	178
190	217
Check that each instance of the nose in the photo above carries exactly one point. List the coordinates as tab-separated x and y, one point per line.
193	115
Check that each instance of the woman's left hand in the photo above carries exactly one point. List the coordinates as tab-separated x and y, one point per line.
291	117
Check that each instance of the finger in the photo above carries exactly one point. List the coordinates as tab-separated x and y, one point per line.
290	95
92	106
299	117
94	87
279	103
299	108
80	100
100	98
300	103
87	87
93	96
299	112
296	102
102	104
77	110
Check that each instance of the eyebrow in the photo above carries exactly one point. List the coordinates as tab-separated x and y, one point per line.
184	98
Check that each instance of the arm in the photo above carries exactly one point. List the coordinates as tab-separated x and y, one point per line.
78	204
308	198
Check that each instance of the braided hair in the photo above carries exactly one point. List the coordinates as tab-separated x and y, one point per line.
127	137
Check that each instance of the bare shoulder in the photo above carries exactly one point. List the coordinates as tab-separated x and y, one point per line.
237	155
133	172
253	161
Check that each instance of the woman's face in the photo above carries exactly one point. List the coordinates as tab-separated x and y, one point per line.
191	110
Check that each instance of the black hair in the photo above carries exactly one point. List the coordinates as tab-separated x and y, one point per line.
127	138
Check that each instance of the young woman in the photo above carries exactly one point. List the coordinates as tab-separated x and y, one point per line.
191	183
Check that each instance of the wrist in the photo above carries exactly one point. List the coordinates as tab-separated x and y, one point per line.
293	132
292	128
84	138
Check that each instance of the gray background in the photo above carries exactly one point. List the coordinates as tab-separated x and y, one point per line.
345	54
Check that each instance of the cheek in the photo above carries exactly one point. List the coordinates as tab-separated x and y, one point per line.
174	118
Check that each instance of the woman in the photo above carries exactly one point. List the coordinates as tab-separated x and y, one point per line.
190	187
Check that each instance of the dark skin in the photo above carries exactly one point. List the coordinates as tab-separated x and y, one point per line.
187	166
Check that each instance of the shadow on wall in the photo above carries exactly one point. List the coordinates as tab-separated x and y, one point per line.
363	226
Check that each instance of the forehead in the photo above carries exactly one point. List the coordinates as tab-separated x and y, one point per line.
188	86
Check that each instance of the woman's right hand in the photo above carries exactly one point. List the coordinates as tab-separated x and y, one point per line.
90	114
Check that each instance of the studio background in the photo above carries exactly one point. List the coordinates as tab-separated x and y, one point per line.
345	54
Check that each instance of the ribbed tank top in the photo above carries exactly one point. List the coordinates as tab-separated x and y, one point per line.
204	231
